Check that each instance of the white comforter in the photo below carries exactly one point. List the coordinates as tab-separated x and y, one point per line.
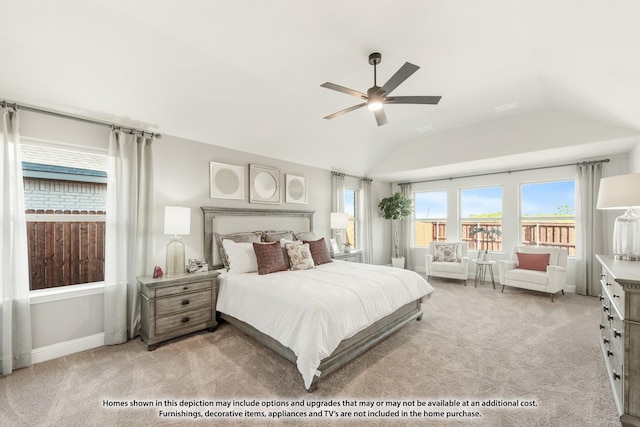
311	311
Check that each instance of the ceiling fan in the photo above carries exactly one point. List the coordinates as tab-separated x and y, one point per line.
377	96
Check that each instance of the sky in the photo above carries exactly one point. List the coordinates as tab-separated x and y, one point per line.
537	199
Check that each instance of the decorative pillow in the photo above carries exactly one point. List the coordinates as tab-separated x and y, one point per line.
537	262
283	243
269	257
275	236
299	256
304	235
319	251
241	256
446	253
249	237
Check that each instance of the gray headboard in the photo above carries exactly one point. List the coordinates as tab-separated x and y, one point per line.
232	220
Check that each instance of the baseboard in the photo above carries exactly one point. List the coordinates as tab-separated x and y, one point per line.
66	348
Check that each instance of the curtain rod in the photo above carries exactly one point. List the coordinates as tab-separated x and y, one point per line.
15	105
585	163
351	176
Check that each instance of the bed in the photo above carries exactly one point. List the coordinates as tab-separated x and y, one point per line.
320	318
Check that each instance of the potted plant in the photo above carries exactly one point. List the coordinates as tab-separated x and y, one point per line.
491	233
396	208
348	247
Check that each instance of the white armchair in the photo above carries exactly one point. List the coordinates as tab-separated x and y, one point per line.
549	278
448	259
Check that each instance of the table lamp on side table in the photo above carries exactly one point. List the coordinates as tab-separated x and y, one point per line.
177	222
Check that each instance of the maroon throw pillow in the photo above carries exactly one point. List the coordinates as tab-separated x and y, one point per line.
537	262
319	251
270	258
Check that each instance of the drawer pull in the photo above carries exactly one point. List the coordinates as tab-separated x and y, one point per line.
610	317
185	302
616	376
601	326
185	319
186	288
601	297
616	334
604	340
605	308
616	296
609	353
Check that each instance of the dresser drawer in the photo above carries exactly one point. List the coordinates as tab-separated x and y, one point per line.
185	287
183	320
614	289
182	302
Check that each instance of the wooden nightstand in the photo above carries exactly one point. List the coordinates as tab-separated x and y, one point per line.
353	256
177	305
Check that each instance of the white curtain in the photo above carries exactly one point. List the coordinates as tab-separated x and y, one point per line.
406	247
128	245
15	309
590	228
367	221
337	195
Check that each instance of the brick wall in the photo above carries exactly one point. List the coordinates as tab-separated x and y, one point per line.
64	195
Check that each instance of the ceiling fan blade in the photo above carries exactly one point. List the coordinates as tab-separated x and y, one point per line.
381	117
412	100
401	75
346	110
343	89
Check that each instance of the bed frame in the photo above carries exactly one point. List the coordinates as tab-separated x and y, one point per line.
228	220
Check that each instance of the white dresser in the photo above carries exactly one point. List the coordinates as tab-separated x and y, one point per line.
620	334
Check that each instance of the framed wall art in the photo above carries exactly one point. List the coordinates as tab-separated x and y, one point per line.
295	189
226	181
264	184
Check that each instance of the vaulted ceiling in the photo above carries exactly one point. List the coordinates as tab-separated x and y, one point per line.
246	74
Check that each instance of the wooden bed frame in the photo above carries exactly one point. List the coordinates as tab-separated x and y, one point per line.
349	348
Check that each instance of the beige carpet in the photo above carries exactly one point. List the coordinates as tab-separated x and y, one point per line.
473	344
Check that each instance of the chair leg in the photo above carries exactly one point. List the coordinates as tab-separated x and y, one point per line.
502	288
465	282
562	290
551	297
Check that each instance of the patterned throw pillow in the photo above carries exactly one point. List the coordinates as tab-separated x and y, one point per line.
270	257
299	256
319	251
446	253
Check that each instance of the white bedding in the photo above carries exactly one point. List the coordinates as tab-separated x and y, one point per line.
311	311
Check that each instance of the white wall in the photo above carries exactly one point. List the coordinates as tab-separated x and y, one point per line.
510	213
634	159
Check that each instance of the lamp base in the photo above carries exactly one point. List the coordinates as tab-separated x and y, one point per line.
175	257
626	237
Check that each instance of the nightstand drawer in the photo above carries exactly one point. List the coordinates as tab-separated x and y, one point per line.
178	289
183	302
183	320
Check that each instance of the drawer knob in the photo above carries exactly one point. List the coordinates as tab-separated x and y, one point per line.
604	340
185	319
616	296
609	353
185	302
616	334
608	284
605	308
601	326
601	297
616	376
610	317
186	288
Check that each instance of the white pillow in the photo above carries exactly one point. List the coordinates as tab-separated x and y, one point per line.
242	257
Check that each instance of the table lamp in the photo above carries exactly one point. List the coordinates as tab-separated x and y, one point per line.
177	222
623	192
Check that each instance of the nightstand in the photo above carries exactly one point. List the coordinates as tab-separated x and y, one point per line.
353	256
173	306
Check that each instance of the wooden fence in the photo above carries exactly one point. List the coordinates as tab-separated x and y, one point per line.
65	247
533	233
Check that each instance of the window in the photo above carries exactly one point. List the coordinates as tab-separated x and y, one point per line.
547	215
65	201
481	217
351	208
430	217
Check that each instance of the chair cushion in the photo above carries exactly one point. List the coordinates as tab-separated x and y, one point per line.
449	267
445	253
537	262
523	275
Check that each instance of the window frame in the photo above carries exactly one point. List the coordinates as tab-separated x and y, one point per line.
356	243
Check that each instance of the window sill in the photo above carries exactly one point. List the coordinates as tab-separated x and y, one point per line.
66	292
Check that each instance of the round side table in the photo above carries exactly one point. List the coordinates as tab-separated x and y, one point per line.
481	271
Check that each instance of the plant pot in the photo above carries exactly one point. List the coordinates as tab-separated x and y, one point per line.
398	262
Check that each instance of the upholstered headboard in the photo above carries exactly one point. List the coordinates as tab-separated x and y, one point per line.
233	220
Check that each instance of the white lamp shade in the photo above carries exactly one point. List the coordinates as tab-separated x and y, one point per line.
339	220
177	220
619	192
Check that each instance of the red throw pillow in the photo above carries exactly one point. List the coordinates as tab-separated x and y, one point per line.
319	251
270	258
537	262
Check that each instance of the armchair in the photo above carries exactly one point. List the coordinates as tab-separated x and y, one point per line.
448	259
530	268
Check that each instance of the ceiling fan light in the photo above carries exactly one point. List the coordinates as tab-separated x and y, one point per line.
375	102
